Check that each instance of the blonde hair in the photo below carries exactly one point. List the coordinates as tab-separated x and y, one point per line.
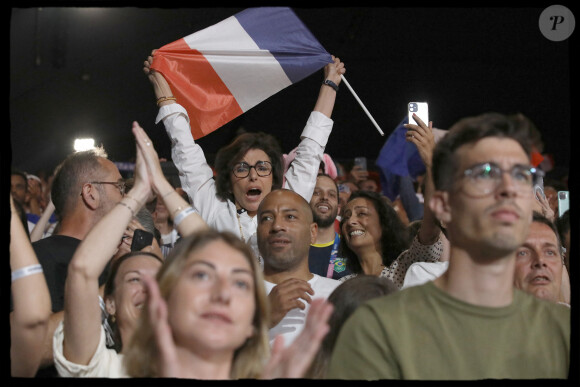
141	353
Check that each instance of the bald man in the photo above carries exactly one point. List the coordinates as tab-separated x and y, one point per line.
285	231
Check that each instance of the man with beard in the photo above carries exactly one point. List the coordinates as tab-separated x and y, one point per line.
285	231
471	323
322	258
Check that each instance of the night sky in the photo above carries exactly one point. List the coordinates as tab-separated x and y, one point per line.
77	72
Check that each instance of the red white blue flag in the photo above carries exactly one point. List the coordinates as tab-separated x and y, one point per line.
224	70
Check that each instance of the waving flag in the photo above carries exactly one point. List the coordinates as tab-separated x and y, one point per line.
398	157
224	70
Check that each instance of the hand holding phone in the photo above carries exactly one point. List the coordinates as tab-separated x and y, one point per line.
141	239
421	109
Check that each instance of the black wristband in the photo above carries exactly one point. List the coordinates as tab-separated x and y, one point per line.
328	82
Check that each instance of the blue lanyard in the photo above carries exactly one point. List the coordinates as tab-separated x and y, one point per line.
333	255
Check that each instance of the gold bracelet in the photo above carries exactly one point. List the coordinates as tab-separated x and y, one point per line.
163	99
177	210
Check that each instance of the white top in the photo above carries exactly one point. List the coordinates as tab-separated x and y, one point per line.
422	272
417	252
197	180
171	238
105	363
293	323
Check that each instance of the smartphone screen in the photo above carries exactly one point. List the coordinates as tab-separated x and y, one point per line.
563	202
361	162
421	109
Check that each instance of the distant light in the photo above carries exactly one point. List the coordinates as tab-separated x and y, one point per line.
83	144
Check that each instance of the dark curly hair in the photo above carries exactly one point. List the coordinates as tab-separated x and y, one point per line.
394	234
231	154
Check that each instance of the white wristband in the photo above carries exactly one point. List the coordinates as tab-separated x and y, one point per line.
26	271
182	215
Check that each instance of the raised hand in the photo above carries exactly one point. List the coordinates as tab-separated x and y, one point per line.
422	136
157	312
294	361
334	70
160	85
149	157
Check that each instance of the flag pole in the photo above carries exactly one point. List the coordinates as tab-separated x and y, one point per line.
362	105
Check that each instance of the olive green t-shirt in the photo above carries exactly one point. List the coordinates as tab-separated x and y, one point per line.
423	333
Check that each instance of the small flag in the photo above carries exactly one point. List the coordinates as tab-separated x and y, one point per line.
224	70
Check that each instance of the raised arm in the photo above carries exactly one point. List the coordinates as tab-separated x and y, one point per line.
40	227
195	174
31	301
422	136
82	313
301	175
185	220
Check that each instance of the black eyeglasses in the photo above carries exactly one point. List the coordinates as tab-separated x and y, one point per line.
486	177
121	185
263	169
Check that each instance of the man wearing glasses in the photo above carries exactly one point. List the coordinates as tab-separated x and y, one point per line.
470	323
85	187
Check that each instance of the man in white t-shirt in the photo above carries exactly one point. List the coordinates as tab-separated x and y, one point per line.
285	231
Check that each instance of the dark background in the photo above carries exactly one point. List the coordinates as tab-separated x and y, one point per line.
77	72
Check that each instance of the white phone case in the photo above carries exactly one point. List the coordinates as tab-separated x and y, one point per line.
419	108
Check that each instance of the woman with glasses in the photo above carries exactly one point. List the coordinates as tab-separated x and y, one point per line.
211	278
248	168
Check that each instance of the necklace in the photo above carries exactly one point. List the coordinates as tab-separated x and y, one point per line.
240	226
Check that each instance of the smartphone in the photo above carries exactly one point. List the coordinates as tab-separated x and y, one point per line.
563	202
361	162
141	239
421	109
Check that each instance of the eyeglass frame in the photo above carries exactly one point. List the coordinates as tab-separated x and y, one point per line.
533	174
121	184
250	168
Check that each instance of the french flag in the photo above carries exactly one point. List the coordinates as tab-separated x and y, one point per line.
224	70
398	157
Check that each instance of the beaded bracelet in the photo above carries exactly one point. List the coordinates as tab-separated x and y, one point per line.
182	215
26	271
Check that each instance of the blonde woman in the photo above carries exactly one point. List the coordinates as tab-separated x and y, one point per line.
207	317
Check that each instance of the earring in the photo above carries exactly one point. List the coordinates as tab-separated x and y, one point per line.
113	319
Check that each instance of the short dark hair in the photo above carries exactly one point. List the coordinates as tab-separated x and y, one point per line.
330	177
70	176
16	171
231	154
470	130
346	298
394	234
